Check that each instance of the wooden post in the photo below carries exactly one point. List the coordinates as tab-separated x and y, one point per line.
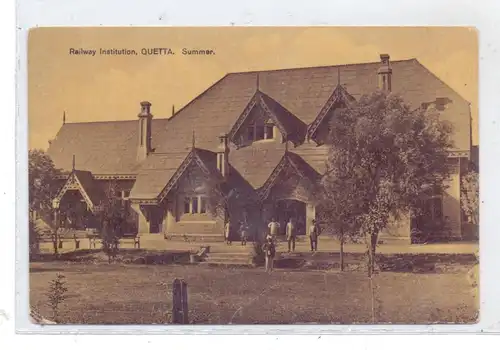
179	302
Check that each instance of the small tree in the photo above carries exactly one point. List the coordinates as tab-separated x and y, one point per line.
470	196
112	217
56	294
396	155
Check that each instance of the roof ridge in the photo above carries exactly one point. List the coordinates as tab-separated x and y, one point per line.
323	66
110	121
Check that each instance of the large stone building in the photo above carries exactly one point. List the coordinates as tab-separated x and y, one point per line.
259	134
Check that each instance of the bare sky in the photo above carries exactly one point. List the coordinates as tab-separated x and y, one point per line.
110	88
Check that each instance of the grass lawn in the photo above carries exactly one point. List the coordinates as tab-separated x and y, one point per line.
141	294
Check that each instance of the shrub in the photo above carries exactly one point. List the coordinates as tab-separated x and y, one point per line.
56	294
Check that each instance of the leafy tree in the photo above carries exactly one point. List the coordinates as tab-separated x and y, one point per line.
395	155
340	202
42	181
470	196
111	221
43	186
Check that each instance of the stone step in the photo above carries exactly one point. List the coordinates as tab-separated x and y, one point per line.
225	257
243	258
195	237
226	264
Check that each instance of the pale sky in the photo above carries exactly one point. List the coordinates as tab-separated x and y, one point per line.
110	88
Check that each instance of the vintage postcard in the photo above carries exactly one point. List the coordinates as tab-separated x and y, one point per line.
265	175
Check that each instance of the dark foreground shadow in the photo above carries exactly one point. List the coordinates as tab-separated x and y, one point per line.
129	256
414	263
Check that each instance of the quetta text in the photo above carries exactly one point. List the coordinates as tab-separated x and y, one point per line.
154	51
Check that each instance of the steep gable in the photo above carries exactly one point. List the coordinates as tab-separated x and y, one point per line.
162	172
83	182
339	98
264	109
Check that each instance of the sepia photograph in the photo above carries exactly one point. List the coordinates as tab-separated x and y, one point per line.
253	175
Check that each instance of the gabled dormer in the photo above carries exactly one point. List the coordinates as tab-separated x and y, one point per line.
318	130
266	120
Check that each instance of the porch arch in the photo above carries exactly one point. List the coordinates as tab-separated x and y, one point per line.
283	208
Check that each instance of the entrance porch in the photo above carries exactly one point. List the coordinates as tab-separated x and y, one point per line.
284	209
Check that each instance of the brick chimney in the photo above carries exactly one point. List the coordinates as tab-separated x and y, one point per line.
223	156
385	73
144	139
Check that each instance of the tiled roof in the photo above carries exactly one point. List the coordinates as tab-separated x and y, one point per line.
100	147
110	147
155	172
256	162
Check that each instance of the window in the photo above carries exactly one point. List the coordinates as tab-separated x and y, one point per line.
269	131
259	132
250	132
195	205
220	161
203	205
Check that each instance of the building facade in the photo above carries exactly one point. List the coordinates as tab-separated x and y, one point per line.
254	141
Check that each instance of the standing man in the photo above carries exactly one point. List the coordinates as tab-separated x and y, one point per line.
227	232
270	250
274	227
313	235
290	235
244	233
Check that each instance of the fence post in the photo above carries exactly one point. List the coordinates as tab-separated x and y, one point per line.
179	302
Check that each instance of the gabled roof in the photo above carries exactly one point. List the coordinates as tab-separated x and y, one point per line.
83	182
295	129
162	171
111	147
288	124
339	95
289	160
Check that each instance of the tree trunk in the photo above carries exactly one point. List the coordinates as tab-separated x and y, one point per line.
372	293
371	253
342	250
56	244
370	259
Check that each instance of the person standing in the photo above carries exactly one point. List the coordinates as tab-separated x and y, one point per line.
244	233
290	235
270	250
274	227
227	232
313	236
